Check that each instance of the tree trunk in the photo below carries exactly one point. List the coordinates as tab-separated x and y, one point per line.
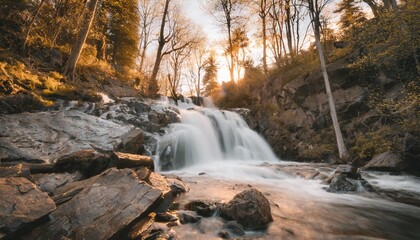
153	85
340	142
232	61
289	30
264	32
32	23
198	86
373	6
70	67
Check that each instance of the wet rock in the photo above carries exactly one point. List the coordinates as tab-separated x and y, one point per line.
165	217
15	171
188	217
387	161
348	182
250	208
203	208
341	184
88	162
49	183
223	234
234	228
21	203
132	142
102	206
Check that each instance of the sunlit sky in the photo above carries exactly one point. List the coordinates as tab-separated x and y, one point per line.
194	9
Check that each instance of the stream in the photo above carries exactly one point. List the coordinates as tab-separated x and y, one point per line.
218	156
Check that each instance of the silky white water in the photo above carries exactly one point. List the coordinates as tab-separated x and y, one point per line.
207	135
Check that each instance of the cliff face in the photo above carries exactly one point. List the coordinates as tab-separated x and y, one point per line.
294	115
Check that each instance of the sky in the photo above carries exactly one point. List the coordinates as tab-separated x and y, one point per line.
194	9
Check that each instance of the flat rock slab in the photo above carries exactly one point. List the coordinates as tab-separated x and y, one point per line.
106	204
45	136
387	161
21	202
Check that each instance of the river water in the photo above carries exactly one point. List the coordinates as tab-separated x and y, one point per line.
218	156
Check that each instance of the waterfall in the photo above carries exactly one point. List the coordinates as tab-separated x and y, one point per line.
205	135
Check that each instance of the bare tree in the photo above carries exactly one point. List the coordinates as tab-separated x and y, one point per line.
262	7
174	36
70	67
163	39
198	62
315	7
148	16
228	14
31	23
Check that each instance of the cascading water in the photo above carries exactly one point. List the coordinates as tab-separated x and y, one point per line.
209	134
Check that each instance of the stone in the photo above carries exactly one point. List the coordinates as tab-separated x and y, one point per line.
15	171
47	136
128	160
249	208
165	217
203	208
223	234
387	161
234	228
21	203
186	217
104	205
132	142
89	162
143	173
348	182
50	182
141	226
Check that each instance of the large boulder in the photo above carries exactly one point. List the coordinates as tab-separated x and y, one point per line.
21	203
100	208
132	142
46	136
387	161
249	208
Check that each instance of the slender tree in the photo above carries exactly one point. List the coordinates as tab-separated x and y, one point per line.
162	40
315	7
70	67
227	13
210	76
31	23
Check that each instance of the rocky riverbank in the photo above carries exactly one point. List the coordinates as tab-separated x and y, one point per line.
85	170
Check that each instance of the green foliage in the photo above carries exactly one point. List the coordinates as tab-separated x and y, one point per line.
390	39
372	143
398	109
210	76
351	17
316	151
123	21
